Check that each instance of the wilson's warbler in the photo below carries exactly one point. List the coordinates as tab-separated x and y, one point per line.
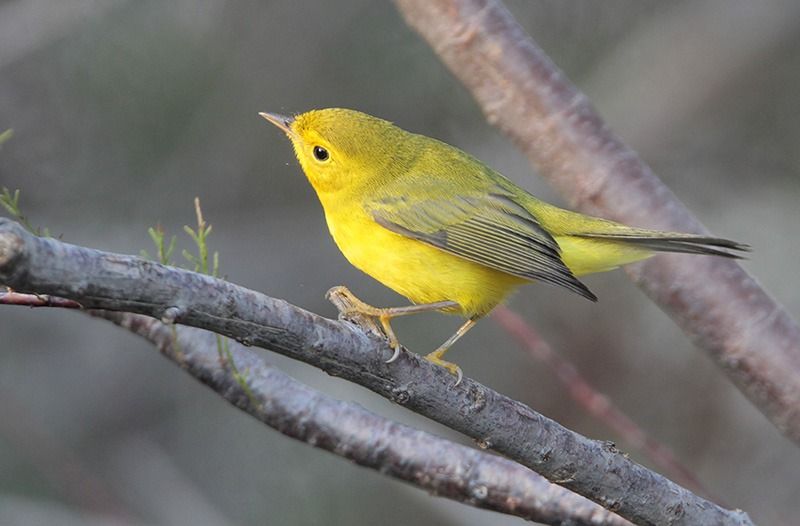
446	231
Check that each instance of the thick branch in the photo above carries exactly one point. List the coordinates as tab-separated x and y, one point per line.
523	93
434	464
590	468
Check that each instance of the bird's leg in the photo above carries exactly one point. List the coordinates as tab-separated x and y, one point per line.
352	308
436	356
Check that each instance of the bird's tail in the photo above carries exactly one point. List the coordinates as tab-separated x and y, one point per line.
658	241
591	244
606	245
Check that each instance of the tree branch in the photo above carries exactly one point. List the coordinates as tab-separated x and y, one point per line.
594	469
723	309
434	464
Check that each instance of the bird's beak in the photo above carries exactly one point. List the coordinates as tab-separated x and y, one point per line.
281	121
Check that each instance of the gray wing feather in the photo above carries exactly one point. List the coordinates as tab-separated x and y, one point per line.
492	230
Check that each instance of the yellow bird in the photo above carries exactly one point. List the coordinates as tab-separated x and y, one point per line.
446	231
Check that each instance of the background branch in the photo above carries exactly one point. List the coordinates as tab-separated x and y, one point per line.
106	281
723	309
690	41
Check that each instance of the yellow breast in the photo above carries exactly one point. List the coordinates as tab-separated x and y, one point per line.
420	272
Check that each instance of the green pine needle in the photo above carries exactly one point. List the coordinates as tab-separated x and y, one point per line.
199	261
10	202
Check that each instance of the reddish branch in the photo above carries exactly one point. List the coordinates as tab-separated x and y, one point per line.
595	403
10	297
723	309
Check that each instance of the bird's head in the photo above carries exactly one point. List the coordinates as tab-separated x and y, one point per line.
342	149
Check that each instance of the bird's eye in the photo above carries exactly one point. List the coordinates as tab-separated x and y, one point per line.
320	153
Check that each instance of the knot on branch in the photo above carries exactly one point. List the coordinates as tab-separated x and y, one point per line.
172	314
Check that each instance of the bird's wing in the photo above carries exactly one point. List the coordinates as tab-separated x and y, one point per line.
489	228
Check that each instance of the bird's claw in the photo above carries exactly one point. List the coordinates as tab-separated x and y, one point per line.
436	358
395	355
459	376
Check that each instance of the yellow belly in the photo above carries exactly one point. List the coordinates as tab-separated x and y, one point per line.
420	272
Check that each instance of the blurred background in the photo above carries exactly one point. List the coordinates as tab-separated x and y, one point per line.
123	111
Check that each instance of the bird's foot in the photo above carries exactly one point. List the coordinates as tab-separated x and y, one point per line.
374	320
377	321
436	358
349	305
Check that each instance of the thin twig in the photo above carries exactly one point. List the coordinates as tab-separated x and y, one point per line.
723	309
10	297
594	469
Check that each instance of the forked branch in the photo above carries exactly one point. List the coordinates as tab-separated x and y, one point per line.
596	470
434	464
